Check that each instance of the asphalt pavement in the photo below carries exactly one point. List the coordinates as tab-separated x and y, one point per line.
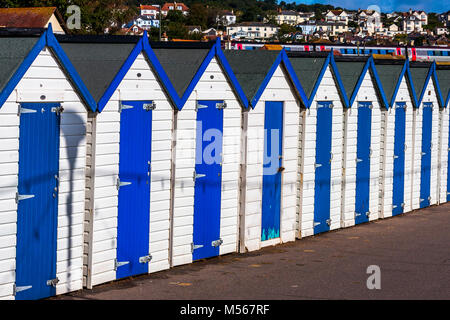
412	252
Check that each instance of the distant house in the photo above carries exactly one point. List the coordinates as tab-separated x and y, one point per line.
32	18
149	11
287	17
194	29
226	18
369	21
146	22
252	31
210	32
179	6
445	18
339	16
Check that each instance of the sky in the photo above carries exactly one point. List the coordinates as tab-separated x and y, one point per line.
438	6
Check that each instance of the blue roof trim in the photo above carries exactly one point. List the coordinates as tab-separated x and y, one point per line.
266	80
399	81
411	85
337	76
20	72
197	77
430	72
229	72
359	83
162	75
120	75
294	79
48	39
319	80
72	73
437	87
378	82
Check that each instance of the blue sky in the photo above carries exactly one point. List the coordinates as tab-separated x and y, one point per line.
387	5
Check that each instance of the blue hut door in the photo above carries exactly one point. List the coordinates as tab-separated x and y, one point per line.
208	180
133	186
322	165
363	151
272	168
425	172
37	199
399	160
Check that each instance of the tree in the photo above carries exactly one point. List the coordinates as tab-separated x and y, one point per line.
198	15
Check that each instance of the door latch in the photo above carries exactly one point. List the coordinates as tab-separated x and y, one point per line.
145	259
367	214
217	243
118	264
58	110
328	221
53	282
221	105
149	106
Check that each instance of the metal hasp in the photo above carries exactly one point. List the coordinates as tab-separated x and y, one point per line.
221	105
195	246
118	264
53	282
145	259
20	289
25	110
58	110
328	221
124	106
217	243
121	183
20	197
149	106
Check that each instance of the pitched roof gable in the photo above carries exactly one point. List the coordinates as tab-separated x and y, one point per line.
22	58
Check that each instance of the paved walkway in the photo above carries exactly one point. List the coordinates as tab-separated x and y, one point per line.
412	251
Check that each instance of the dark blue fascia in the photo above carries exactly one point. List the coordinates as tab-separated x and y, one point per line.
294	79
437	87
430	72
378	83
340	85
48	39
120	75
359	83
399	81
319	79
231	76
412	91
162	75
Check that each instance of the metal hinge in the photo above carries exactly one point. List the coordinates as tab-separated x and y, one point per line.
195	246
359	160
149	106
145	259
317	165
20	197
123	106
118	264
217	243
395	157
25	110
315	224
122	183
58	110
20	289
221	105
53	282
198	175
357	214
423	153
200	106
